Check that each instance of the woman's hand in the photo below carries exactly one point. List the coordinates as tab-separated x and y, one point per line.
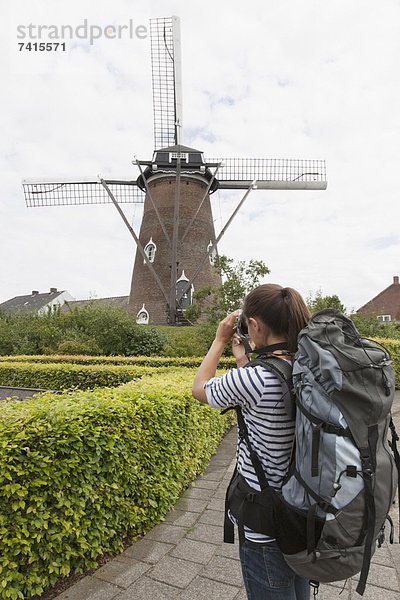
226	328
207	369
239	351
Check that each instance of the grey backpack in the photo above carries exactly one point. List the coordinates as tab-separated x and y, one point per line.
336	497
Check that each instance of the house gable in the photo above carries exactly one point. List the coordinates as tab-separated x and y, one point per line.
35	302
386	302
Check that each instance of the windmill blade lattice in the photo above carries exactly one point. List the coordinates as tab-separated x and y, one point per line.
167	81
280	173
74	192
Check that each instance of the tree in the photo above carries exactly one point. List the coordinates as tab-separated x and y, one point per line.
238	279
319	302
370	327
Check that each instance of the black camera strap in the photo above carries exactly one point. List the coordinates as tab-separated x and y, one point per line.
270	349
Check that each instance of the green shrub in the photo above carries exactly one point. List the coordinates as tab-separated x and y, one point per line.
394	348
108	329
89	348
151	361
68	376
183	341
77	472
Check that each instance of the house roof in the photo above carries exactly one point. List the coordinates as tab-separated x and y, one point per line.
31	302
386	302
119	301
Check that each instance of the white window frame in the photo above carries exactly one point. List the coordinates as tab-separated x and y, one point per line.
212	256
150	250
144	312
182	155
384	318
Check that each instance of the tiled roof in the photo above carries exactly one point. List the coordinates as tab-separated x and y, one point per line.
119	301
31	302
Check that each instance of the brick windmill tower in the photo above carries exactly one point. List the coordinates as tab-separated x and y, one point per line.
176	244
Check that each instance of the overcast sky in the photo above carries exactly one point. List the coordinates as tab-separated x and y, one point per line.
273	79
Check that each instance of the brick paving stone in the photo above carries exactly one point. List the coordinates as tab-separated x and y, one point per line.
229	550
214	473
216	504
198	493
241	595
206	589
330	592
90	588
382	556
206	484
175	571
181	518
211	517
148	589
344	584
394	550
223	461
122	574
373	592
147	550
191	505
220	492
225	570
385	577
207	533
165	532
198	552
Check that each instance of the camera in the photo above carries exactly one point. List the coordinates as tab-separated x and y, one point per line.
243	333
242	326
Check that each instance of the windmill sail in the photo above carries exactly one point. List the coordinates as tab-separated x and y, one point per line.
238	173
59	192
167	81
176	241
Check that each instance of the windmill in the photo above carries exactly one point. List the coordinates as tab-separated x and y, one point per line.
176	244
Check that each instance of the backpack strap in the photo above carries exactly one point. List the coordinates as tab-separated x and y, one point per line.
368	476
229	532
255	461
282	369
393	446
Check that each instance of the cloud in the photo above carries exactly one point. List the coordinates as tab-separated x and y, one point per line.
294	79
385	242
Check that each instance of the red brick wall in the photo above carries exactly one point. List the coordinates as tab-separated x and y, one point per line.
387	302
144	290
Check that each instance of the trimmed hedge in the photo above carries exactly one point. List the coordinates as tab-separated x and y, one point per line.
68	376
152	361
78	471
394	348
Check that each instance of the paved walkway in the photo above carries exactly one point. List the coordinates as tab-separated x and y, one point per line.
184	557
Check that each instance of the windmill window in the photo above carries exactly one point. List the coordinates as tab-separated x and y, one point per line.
142	318
213	254
182	155
186	299
150	250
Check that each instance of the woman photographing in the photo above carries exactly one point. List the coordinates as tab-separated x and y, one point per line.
274	317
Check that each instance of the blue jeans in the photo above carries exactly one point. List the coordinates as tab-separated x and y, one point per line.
267	576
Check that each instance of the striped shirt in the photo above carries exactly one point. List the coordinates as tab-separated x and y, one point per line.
259	394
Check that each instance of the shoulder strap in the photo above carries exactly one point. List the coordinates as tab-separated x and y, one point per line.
255	461
283	371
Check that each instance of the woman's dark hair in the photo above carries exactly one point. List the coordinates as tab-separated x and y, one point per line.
283	310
